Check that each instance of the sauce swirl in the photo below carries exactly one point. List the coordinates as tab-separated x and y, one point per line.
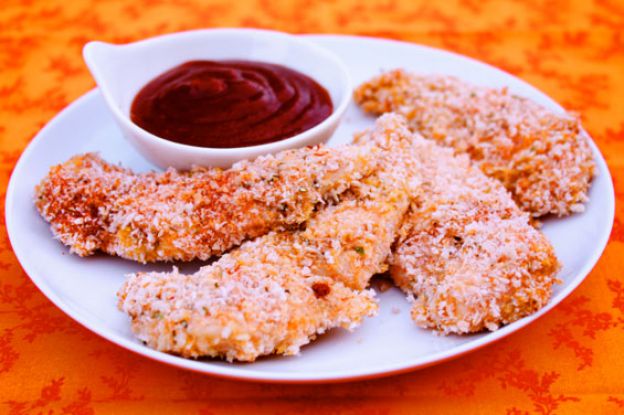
228	104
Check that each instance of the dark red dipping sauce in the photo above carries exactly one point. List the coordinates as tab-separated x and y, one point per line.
226	104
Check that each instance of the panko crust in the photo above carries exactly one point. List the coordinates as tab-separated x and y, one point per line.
93	205
241	309
467	255
276	293
543	159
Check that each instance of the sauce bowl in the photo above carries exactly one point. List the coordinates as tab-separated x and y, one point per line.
120	71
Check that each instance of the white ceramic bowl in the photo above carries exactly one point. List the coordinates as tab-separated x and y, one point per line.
122	70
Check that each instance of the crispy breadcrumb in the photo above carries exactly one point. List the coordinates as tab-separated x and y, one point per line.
94	205
543	159
278	292
467	255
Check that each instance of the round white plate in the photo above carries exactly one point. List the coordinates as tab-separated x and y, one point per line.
85	288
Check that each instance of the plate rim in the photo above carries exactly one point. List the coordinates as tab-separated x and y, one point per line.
238	373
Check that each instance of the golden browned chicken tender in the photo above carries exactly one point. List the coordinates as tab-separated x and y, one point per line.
543	159
94	205
467	255
278	292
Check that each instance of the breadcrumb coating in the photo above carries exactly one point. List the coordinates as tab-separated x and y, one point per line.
466	254
275	293
543	159
94	205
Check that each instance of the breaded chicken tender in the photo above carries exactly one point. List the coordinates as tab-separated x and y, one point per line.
467	255
275	293
543	159
94	205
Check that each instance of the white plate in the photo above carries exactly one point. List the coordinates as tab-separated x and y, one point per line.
84	288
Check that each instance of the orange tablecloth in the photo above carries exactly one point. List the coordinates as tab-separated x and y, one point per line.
570	361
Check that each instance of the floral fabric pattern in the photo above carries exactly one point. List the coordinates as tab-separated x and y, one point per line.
567	362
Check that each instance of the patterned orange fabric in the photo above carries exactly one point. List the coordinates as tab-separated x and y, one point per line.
570	361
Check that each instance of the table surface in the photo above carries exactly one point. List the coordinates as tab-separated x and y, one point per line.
570	361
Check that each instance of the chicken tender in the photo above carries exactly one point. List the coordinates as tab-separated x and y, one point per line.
467	255
94	205
275	293
543	159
